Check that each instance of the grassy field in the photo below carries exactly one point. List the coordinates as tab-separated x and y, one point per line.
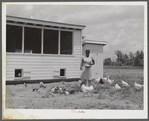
104	97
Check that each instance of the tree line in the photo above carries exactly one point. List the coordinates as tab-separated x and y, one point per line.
131	59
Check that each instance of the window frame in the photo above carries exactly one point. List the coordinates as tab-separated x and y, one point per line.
43	43
72	42
22	73
42	39
22	38
64	73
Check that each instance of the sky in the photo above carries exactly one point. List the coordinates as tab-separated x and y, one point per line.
121	26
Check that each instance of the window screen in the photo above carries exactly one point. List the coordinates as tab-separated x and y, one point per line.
62	72
32	40
18	72
50	42
13	38
66	43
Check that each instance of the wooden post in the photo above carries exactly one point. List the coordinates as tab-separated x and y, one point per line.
23	39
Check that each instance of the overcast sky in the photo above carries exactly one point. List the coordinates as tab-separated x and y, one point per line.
121	26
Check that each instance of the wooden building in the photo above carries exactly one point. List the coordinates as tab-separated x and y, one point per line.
42	50
96	51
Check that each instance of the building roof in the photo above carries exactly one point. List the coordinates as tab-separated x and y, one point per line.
94	42
35	22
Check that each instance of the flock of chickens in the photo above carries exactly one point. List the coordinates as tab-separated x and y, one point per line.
117	87
55	89
84	88
108	81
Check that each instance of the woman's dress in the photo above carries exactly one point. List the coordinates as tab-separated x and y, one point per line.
86	70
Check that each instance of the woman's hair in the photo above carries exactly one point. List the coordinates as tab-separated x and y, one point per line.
87	51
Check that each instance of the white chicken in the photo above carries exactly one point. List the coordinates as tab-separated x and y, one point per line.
117	87
107	80
97	80
80	81
42	85
53	89
125	84
138	86
25	84
110	81
86	89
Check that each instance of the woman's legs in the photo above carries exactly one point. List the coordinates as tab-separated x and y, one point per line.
86	76
89	77
85	81
89	83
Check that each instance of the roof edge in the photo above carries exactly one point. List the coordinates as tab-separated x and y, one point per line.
94	42
52	22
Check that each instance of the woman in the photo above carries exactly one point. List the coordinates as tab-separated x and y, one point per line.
86	63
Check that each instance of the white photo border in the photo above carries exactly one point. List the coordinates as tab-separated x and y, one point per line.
68	114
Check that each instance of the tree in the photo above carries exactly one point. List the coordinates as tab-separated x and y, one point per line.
125	59
134	59
139	58
119	59
114	63
107	61
131	58
131	55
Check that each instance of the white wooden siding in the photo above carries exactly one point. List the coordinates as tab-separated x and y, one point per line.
42	66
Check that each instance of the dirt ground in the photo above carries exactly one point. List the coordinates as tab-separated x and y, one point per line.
104	97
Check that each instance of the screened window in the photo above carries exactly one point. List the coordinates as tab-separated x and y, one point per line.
32	40
62	72
66	42
50	42
13	38
18	72
29	40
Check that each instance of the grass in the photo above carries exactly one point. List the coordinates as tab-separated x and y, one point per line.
104	97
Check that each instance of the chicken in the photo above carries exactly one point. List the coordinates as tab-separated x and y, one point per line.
72	91
80	81
117	87
35	89
53	89
110	81
125	84
97	80
138	86
85	88
60	90
107	80
25	84
66	93
42	85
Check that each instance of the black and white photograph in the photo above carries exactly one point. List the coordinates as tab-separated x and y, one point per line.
74	60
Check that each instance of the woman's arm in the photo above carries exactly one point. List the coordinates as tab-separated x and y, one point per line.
81	64
93	62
